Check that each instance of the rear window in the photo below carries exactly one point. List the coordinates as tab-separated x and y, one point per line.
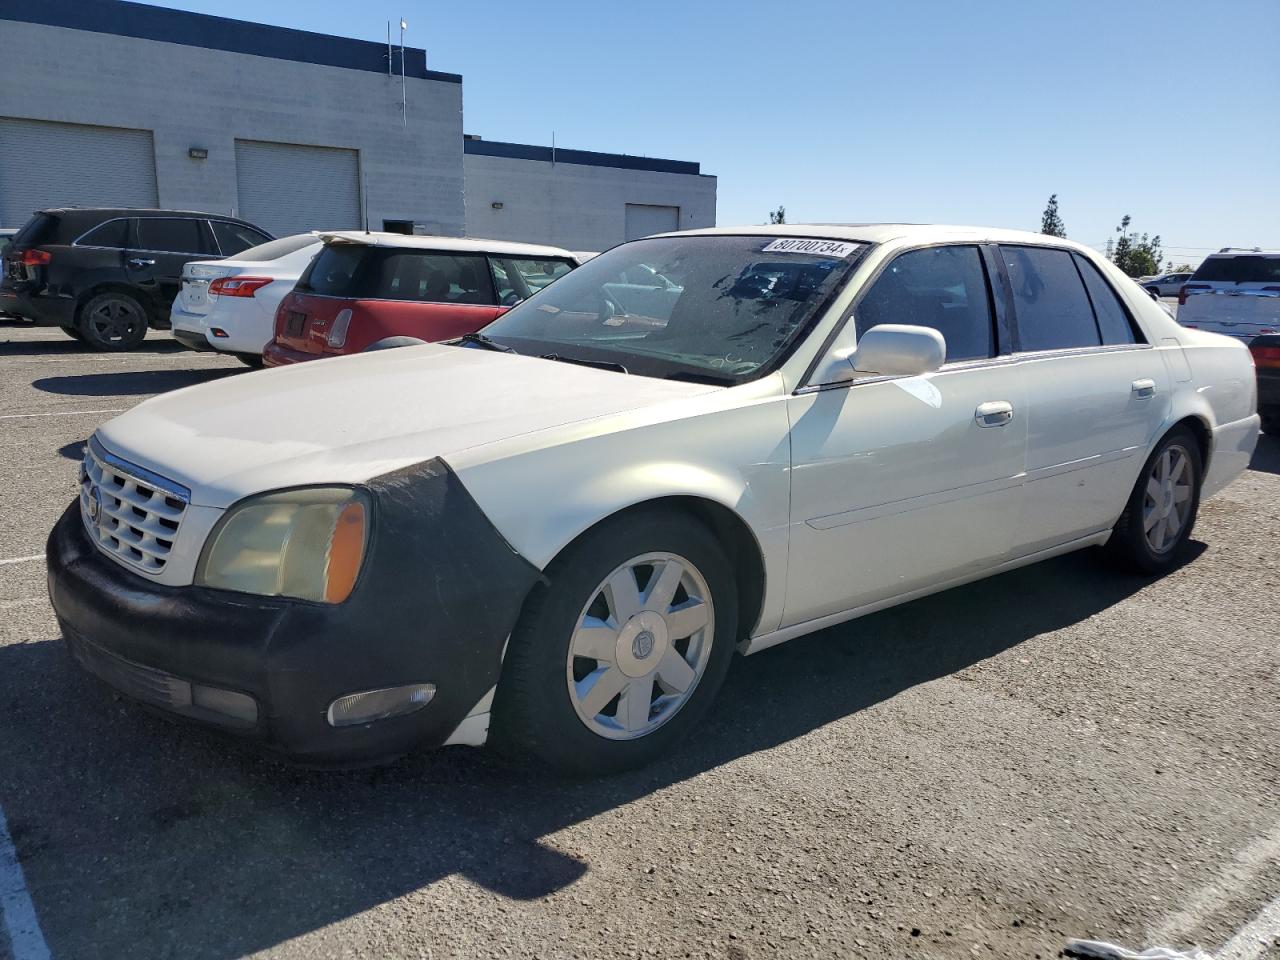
373	273
235	237
275	249
1245	268
39	229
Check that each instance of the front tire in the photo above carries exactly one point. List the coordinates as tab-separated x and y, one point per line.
112	322
1162	508
616	661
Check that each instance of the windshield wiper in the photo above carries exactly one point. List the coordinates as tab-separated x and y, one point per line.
480	340
601	364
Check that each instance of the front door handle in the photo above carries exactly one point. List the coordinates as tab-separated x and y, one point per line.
138	263
1144	389
996	413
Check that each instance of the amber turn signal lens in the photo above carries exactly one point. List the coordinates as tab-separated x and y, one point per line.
345	553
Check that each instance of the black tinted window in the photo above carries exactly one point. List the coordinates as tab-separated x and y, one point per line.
172	235
113	233
232	237
1113	319
1247	268
348	270
39	229
1052	306
940	287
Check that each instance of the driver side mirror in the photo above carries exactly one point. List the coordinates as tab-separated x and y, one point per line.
887	350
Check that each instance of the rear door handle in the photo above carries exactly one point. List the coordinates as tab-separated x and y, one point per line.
140	263
995	413
1144	389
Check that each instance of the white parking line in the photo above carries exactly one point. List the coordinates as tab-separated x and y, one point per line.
1239	875
16	908
34	556
1256	938
60	413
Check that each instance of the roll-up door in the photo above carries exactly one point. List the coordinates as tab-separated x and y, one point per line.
46	164
645	219
288	188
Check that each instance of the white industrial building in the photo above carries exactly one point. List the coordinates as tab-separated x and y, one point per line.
112	103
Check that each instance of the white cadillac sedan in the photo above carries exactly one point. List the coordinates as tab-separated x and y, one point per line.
555	534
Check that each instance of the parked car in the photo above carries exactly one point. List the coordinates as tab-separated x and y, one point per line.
1165	285
230	305
1234	292
105	275
557	532
1266	360
6	237
366	289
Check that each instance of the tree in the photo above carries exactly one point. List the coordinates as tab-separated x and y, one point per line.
1050	222
1137	256
779	215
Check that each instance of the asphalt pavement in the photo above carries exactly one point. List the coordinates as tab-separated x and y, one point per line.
1061	751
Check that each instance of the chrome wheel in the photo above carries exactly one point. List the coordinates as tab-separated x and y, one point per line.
1167	502
640	646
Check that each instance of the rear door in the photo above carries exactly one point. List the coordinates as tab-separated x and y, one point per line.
1096	394
159	249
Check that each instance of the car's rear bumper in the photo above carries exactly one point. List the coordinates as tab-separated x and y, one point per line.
278	355
51	311
168	646
1233	445
192	339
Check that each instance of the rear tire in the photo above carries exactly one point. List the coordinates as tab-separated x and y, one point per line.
1162	508
112	322
611	665
1271	423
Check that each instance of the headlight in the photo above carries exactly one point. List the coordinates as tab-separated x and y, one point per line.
297	543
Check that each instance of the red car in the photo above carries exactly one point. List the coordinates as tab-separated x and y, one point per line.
364	288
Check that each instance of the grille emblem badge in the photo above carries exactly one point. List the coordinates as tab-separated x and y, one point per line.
95	503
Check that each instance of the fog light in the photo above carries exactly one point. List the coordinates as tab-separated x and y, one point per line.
238	706
370	705
219	333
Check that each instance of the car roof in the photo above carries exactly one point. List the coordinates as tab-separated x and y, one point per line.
882	232
141	212
451	244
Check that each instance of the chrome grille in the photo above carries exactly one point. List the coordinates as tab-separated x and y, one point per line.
132	514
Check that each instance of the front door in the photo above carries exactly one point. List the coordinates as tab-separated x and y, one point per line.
903	483
1095	395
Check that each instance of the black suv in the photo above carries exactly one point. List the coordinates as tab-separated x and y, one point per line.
104	275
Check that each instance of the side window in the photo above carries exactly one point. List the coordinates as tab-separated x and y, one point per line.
1113	319
233	238
940	287
173	235
113	234
430	277
1052	307
519	277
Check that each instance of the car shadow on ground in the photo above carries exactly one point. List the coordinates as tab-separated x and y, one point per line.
59	344
132	384
1266	457
134	831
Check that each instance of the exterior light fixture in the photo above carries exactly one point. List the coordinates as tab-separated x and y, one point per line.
497	204
198	153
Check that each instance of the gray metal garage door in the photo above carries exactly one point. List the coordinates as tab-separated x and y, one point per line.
287	188
45	164
644	219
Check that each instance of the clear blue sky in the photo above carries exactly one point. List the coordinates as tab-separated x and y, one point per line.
916	110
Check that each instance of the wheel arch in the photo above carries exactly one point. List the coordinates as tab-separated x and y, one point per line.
741	545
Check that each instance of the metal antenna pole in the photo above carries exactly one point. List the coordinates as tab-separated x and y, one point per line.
404	94
389	61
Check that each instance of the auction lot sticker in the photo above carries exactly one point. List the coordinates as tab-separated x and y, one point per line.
821	248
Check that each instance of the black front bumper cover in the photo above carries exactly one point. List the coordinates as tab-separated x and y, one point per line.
437	598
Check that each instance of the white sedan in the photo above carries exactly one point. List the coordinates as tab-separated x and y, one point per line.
230	305
556	533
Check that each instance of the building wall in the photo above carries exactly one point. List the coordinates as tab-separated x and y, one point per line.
193	96
573	205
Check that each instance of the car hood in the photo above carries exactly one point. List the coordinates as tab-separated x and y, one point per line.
348	419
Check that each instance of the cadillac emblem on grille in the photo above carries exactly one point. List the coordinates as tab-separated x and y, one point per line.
95	503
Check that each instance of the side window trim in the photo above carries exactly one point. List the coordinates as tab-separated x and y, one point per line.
1007	342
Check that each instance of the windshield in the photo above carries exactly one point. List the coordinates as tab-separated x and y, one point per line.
719	308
